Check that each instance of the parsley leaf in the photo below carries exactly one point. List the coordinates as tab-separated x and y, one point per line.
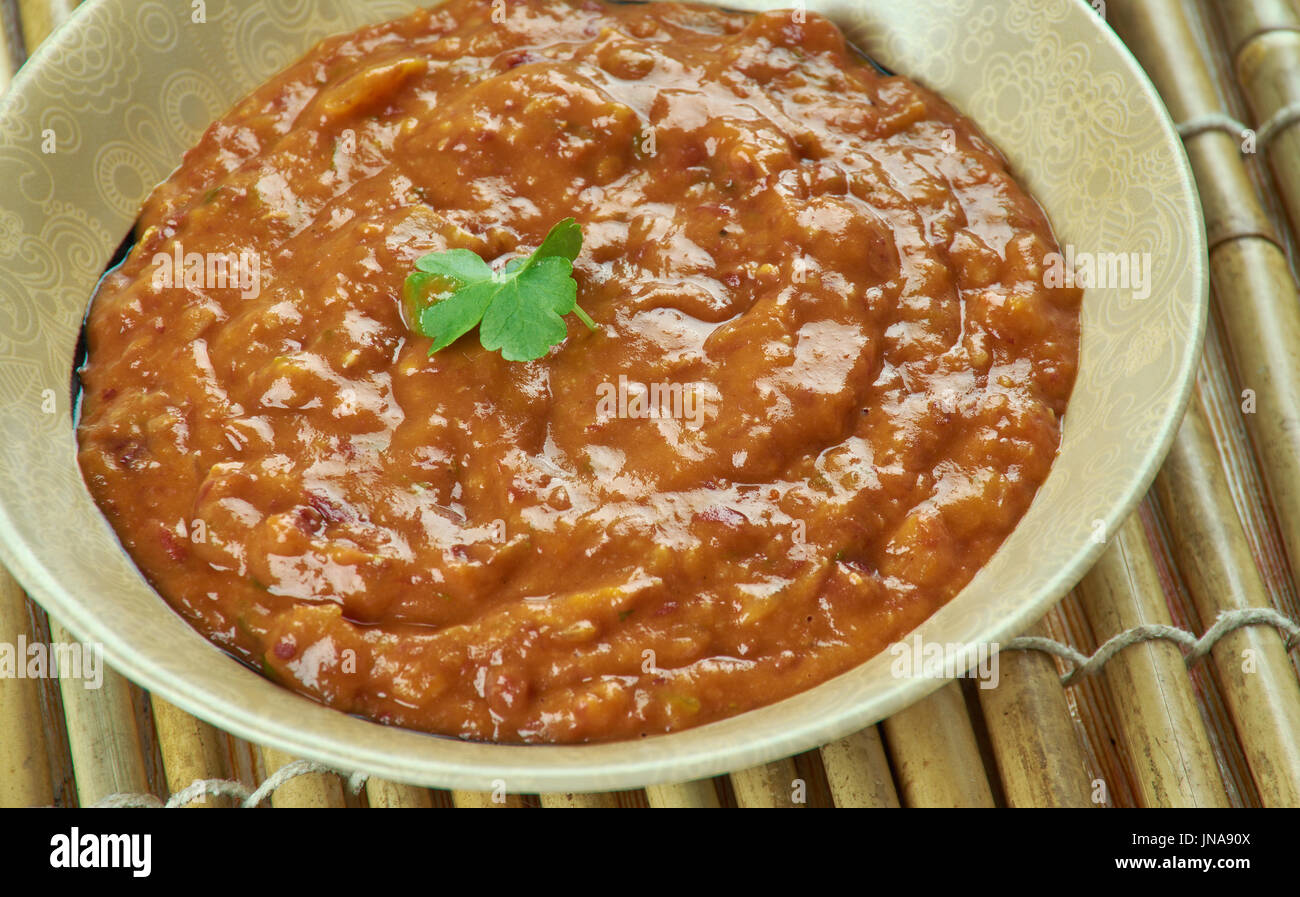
519	310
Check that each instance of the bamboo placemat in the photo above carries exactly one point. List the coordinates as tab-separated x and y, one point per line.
1157	717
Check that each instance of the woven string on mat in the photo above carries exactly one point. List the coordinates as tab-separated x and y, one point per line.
1278	122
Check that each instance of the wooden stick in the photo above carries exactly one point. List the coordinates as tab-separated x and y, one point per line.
857	771
936	756
1158	716
24	769
107	752
191	750
311	790
381	793
701	793
1259	683
39	17
770	786
1039	758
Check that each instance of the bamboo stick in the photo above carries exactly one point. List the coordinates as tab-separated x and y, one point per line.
383	794
634	799
1258	303
107	752
1158	717
25	776
245	761
1261	323
1222	397
1230	758
1220	574
58	748
1256	295
311	790
191	750
701	793
857	771
40	17
1111	770
603	800
1221	402
1160	35
10	55
1245	20
477	800
1268	67
1264	40
770	786
486	800
25	779
1169	46
814	789
1038	755
1228	202
936	755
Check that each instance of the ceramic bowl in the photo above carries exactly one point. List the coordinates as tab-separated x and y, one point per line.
127	85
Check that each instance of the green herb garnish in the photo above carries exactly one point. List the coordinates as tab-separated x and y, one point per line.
518	310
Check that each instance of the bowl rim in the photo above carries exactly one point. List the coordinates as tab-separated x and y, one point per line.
575	775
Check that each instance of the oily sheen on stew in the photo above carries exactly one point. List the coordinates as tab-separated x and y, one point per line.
826	279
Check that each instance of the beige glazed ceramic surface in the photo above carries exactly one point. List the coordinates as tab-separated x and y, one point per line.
128	85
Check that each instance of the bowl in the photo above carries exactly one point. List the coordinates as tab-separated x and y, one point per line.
127	85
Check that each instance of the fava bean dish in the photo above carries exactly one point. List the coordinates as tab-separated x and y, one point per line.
558	371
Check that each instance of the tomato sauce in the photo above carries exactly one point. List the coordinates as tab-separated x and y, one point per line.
826	382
